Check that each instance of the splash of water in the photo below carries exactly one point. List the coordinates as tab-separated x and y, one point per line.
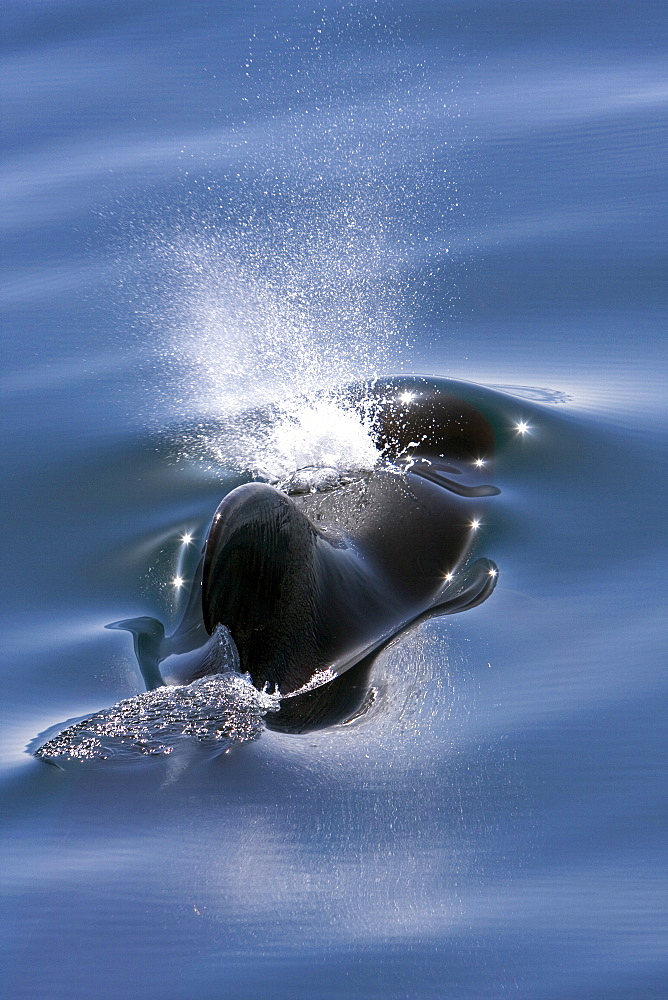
254	331
222	711
293	255
312	433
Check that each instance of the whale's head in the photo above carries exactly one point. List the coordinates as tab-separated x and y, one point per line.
258	580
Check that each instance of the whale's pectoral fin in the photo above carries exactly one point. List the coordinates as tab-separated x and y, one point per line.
148	634
435	472
469	588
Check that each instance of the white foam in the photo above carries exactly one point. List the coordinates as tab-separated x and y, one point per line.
224	709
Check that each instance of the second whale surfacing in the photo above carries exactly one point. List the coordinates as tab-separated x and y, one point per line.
311	586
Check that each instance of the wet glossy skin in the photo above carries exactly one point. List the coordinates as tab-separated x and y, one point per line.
300	596
317	584
319	581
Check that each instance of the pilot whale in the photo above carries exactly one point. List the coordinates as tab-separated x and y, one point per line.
310	586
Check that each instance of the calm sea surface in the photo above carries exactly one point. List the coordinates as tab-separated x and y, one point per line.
212	206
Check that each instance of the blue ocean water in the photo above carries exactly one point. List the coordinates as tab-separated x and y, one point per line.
208	208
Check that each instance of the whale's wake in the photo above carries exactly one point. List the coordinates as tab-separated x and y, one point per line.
220	712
